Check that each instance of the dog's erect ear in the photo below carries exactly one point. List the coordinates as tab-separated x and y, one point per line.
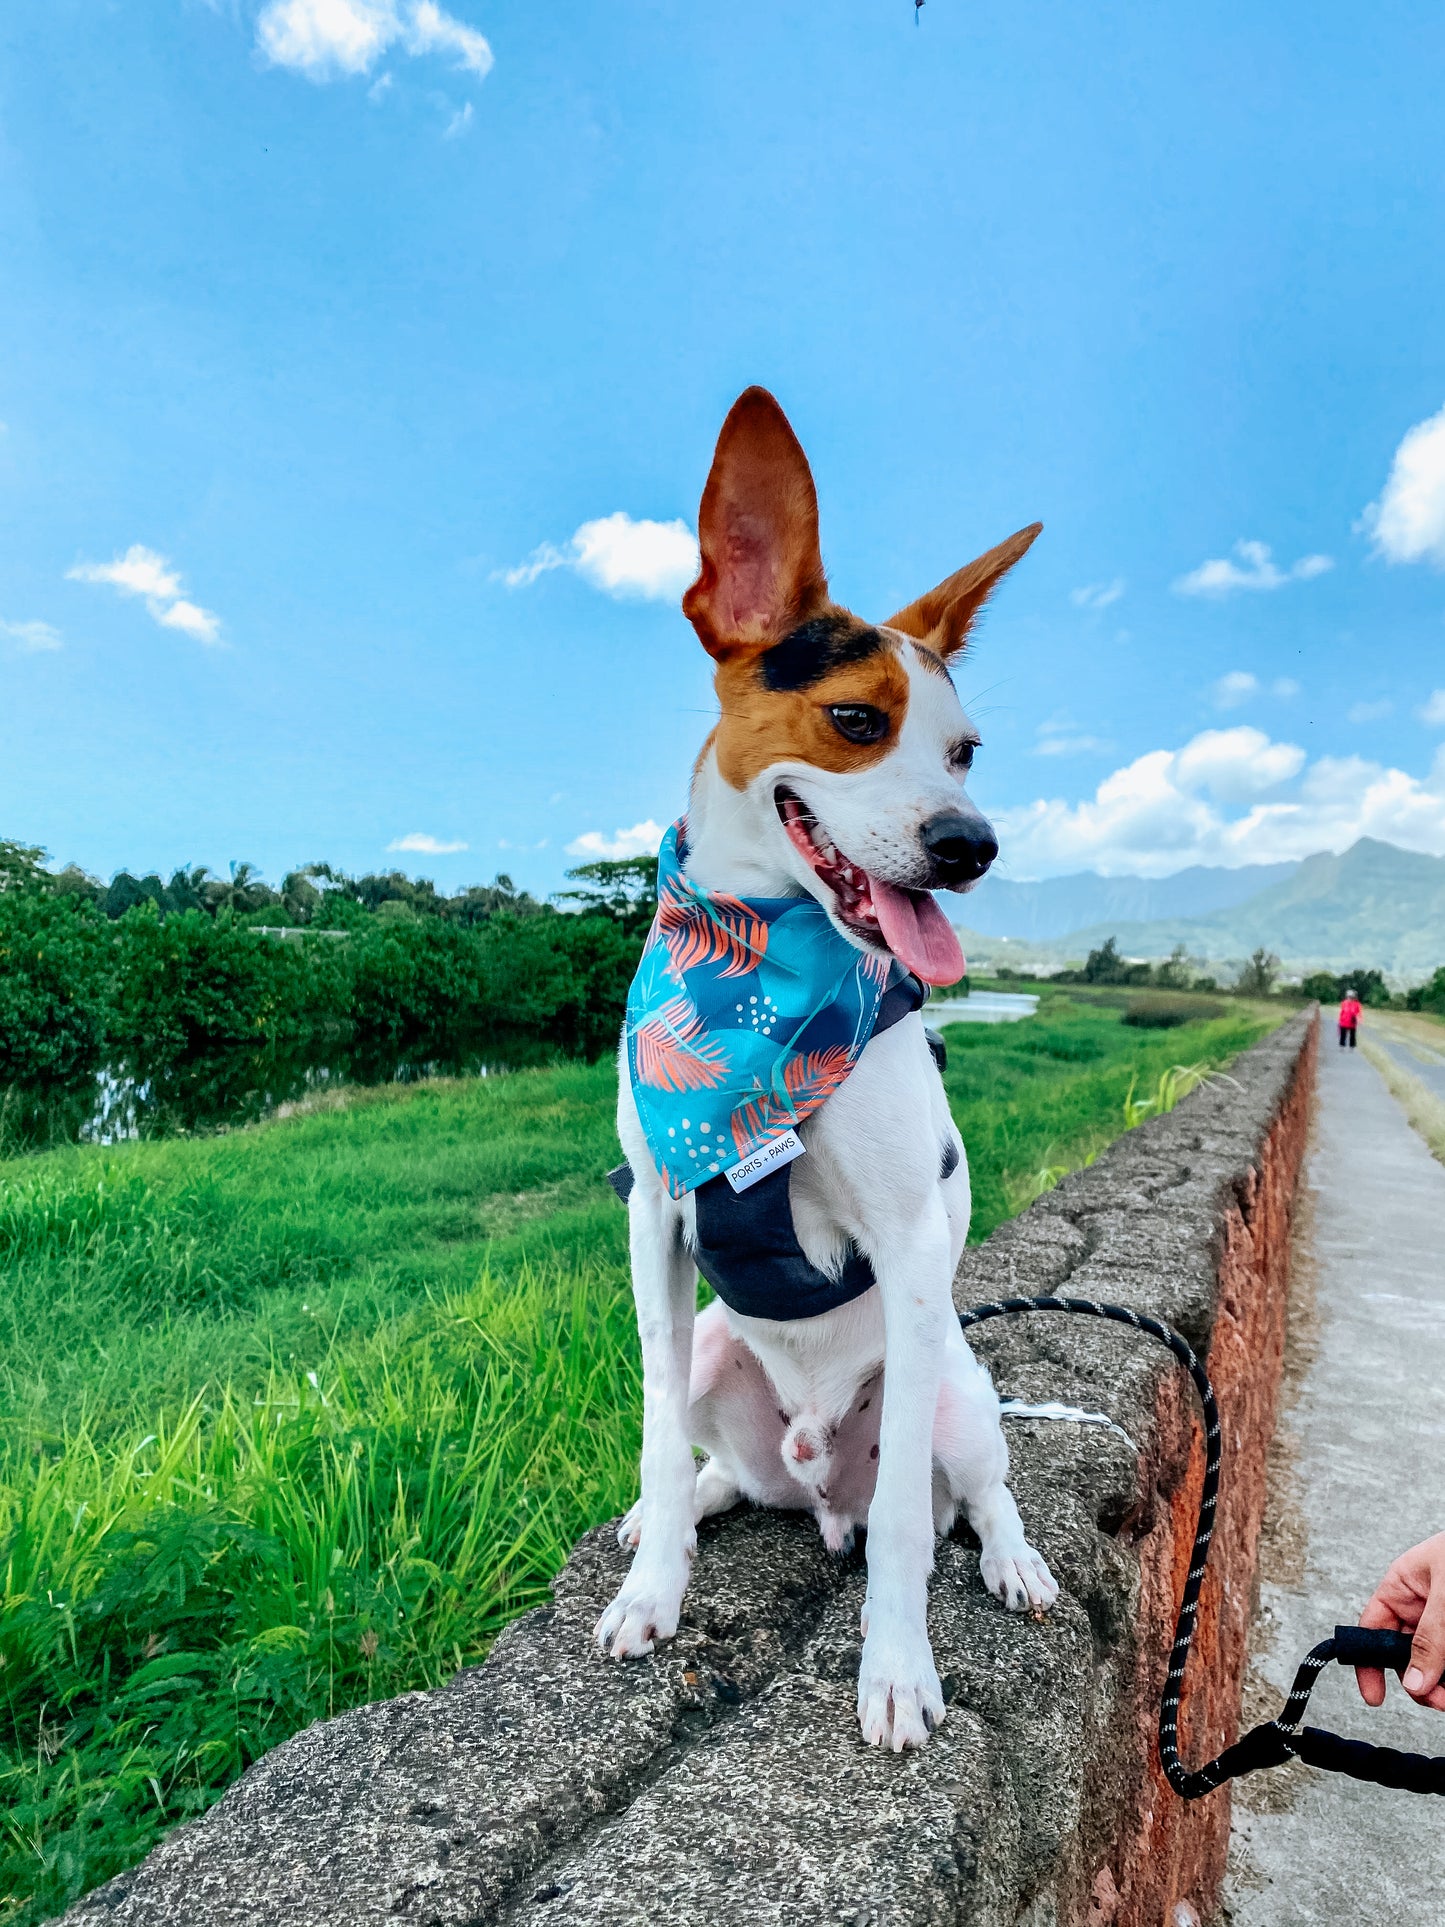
944	616
757	529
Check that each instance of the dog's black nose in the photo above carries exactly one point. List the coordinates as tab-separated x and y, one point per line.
959	847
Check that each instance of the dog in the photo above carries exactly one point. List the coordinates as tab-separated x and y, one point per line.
835	771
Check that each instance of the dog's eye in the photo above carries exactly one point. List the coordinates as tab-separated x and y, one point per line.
859	722
961	755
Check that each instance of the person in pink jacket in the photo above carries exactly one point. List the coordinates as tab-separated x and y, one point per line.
1349	1019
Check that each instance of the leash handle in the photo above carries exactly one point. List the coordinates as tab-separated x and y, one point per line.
1284	1737
1366	1646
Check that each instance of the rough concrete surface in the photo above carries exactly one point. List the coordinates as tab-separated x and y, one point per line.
1361	1476
723	1779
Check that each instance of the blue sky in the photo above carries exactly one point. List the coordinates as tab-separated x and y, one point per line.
345	345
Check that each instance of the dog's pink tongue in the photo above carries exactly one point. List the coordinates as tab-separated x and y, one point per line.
917	932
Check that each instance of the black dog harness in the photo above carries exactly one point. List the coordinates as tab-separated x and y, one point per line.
747	1247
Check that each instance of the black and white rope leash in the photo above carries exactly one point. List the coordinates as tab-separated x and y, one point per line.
1282	1738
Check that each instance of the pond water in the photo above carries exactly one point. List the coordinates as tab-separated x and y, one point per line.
223	1089
239	1086
982	1007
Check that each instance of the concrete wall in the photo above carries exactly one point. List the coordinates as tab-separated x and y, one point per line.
723	1780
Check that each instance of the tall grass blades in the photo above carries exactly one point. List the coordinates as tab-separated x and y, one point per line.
1038	1099
173	1604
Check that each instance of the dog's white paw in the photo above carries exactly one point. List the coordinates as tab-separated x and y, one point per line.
629	1532
644	1613
899	1698
1019	1577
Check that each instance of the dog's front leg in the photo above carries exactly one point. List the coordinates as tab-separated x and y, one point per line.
899	1699
664	1286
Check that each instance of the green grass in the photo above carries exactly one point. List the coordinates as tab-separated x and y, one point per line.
1040	1098
299	1416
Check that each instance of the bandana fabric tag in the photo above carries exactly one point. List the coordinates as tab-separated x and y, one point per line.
768	1157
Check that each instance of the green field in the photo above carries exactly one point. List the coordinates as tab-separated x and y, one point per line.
300	1415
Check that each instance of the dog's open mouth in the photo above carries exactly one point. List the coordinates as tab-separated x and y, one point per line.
907	922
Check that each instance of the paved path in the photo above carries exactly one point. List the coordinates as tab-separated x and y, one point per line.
1359	1474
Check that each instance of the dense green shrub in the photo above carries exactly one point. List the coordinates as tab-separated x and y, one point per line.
566	976
1368	985
190	982
1167	1013
54	986
411	977
1428	996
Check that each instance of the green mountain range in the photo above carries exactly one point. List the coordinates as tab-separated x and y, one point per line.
1373	904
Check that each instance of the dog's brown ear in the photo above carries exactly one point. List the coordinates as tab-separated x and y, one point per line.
757	530
943	617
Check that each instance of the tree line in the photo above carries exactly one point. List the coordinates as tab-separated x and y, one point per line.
1259	976
147	970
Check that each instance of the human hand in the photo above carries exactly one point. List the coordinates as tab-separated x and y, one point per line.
1411	1599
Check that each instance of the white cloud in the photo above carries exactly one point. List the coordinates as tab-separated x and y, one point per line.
1369	712
320	38
1235	688
1407	524
1061	736
190	619
1255	569
1432	710
650	560
544	557
1098	595
460	121
430	31
326	38
1285	686
418	843
33	638
1228	797
1069	745
141	572
641	840
1233	764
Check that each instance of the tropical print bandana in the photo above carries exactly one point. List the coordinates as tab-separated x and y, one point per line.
745	1015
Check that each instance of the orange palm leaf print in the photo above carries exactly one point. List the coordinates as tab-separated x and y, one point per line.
812	1078
753	1123
876	964
808	1081
672	1053
722	929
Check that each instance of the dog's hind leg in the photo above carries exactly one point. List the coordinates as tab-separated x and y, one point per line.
970	1469
714	1351
715	1491
664	1287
